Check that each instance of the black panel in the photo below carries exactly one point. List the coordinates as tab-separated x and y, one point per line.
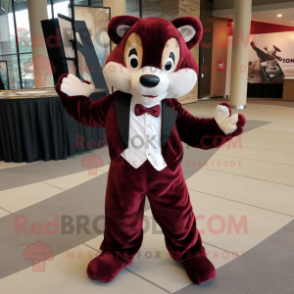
122	113
169	117
33	129
55	49
88	51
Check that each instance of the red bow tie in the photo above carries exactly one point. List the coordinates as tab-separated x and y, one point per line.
154	111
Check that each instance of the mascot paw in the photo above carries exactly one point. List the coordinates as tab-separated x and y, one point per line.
229	124
199	269
105	267
70	85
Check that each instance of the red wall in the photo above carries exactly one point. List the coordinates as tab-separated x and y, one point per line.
262	28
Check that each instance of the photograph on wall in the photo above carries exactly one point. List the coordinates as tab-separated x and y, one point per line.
4	79
265	69
96	19
271	57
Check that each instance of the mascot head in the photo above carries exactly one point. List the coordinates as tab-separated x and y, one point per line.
152	60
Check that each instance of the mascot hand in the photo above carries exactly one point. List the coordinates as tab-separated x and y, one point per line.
72	86
229	124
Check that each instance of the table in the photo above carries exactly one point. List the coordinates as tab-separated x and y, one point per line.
265	90
37	127
288	93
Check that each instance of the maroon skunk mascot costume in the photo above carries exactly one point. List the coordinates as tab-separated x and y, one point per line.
145	124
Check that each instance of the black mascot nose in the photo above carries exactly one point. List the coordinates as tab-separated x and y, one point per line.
149	81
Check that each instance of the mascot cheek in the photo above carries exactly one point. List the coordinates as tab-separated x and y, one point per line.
181	82
118	76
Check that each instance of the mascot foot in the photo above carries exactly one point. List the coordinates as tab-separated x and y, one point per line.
105	267
199	269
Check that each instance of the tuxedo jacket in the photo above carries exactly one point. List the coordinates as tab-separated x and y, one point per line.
178	125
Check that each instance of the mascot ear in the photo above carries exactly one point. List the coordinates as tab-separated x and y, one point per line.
190	28
119	25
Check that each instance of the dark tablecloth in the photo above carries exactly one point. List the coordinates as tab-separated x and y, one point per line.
34	129
265	90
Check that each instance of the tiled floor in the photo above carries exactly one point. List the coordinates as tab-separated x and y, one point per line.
3	212
11	164
241	196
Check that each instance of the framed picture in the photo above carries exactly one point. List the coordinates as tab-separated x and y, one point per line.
54	32
68	38
96	19
4	78
84	44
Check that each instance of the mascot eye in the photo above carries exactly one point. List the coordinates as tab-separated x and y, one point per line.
134	63
169	64
133	58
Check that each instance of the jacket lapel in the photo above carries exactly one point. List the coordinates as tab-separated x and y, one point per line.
122	113
169	116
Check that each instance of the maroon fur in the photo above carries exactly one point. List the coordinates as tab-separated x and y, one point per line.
201	133
124	209
154	43
166	190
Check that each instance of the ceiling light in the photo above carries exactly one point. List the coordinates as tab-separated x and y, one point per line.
279	15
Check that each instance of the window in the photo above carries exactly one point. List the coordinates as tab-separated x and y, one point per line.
133	7
96	2
61	6
15	37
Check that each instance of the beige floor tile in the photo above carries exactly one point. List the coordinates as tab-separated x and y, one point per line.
21	197
266	195
218	221
67	274
95	243
271	135
272	118
277	173
268	145
3	213
269	129
257	154
154	263
73	180
12	164
104	168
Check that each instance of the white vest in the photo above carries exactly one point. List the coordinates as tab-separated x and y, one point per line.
144	139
